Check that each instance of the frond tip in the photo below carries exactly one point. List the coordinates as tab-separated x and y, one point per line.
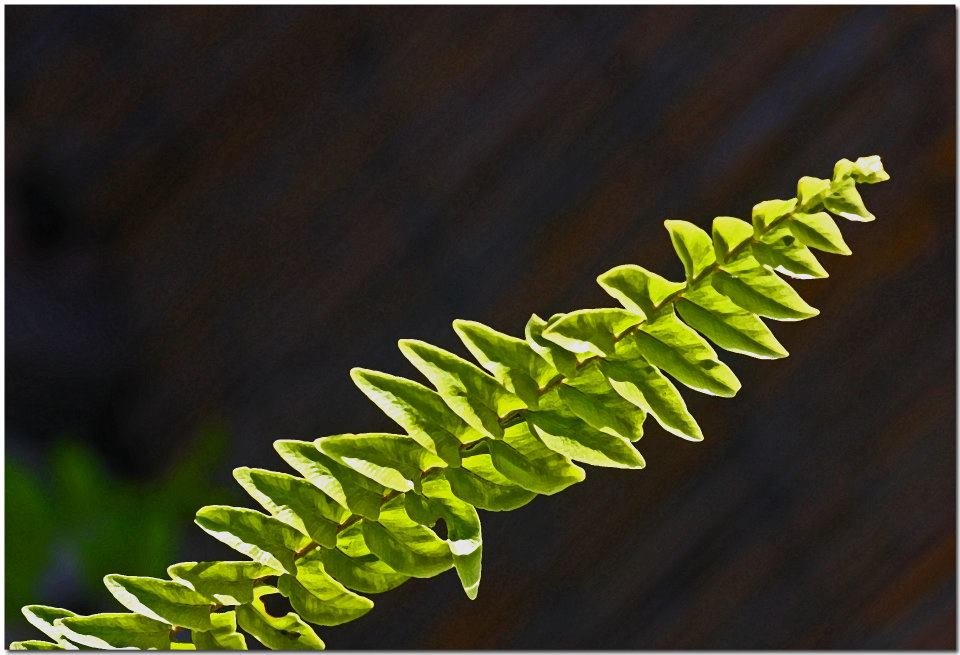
362	516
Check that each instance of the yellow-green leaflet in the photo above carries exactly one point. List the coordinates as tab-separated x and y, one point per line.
110	631
575	439
729	234
769	212
365	573
669	344
603	410
693	246
319	598
288	632
478	485
475	396
523	459
748	284
352	491
162	600
33	644
391	460
229	583
510	360
262	538
591	331
638	289
42	617
418	410
293	501
646	387
728	325
405	545
559	358
819	231
222	634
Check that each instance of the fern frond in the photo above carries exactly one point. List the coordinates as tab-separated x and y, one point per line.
362	515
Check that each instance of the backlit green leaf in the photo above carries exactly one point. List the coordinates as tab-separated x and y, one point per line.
510	360
729	236
602	410
161	600
464	538
668	343
33	644
770	211
646	387
482	485
110	631
319	598
229	583
559	358
523	459
784	253
294	501
693	246
364	573
475	396
866	170
728	325
751	286
262	538
590	330
573	438
287	632
810	193
42	617
391	460
222	634
638	290
844	200
404	545
819	231
418	410
351	490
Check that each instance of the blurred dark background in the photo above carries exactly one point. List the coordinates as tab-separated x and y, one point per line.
213	213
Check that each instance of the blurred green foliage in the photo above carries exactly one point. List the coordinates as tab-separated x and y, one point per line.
76	521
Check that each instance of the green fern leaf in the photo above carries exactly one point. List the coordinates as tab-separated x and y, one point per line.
475	396
262	538
161	600
364	573
391	460
483	486
404	545
418	410
229	583
222	634
728	325
362	516
351	490
590	330
33	644
319	598
647	388
287	632
295	502
576	440
110	631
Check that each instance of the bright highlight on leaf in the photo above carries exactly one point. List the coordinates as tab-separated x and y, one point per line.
367	512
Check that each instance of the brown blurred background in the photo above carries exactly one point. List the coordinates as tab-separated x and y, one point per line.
213	213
